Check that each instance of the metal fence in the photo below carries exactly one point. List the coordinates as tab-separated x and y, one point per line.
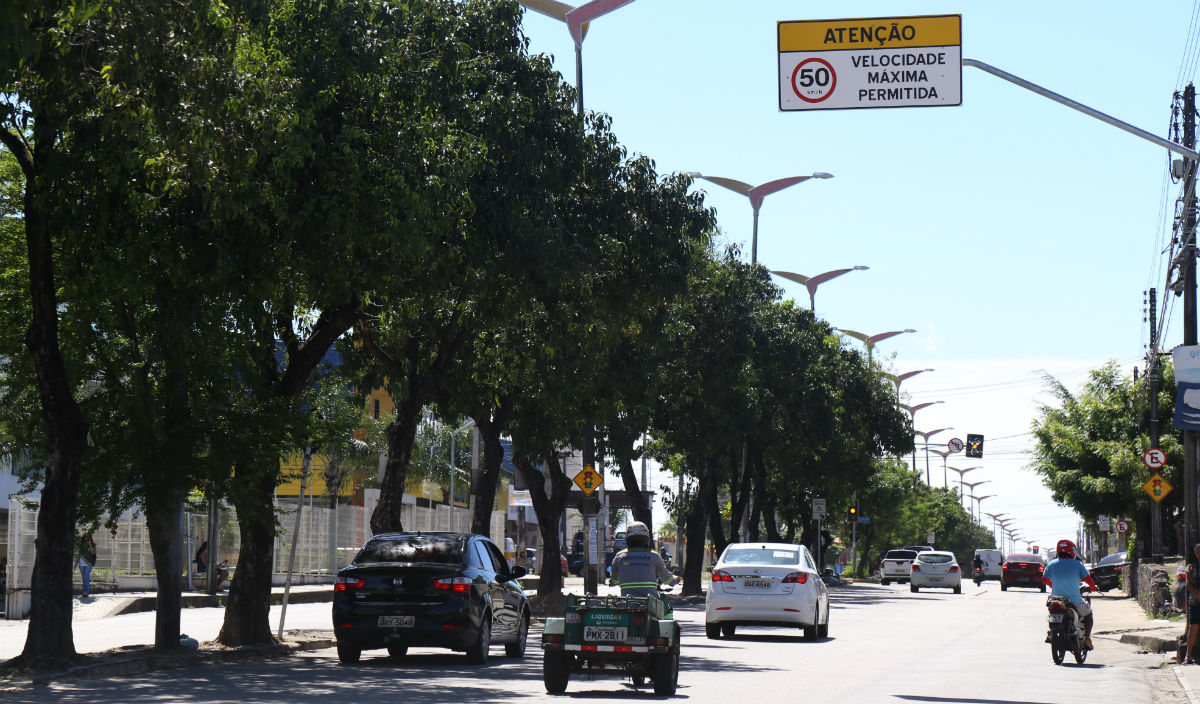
327	539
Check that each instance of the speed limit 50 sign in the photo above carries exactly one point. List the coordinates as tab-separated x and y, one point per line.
877	62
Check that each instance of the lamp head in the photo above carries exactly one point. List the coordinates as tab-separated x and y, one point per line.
821	174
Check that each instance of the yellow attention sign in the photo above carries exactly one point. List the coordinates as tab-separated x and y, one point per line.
871	33
588	480
1157	487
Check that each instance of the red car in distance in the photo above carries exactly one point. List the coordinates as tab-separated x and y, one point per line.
1022	570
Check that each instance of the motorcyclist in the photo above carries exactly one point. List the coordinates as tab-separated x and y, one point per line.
1063	575
638	569
978	564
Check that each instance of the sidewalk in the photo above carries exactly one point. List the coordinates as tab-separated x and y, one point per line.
1121	618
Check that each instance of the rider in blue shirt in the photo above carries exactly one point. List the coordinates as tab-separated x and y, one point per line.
1063	575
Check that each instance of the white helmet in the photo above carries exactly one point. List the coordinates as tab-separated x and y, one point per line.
637	534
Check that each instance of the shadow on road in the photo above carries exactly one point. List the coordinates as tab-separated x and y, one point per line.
963	700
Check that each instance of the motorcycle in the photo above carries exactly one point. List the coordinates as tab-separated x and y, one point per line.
978	576
1066	630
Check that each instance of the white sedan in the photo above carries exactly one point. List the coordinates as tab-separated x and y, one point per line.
935	568
766	584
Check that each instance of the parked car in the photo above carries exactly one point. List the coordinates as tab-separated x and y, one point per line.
1107	572
992	562
1022	570
448	590
896	566
935	568
766	584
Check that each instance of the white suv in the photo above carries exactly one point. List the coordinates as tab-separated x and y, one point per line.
896	566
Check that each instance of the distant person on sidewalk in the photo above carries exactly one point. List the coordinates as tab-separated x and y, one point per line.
202	565
1193	602
87	560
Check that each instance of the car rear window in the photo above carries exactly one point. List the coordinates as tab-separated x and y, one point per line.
1024	558
900	555
934	559
762	556
1113	559
412	548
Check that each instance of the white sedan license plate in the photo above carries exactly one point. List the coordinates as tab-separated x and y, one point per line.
935	580
756	583
605	634
1056	618
397	621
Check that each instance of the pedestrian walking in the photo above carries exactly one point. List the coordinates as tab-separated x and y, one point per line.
87	560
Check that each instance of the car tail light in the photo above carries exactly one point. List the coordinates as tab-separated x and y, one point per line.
348	584
1116	569
796	578
721	576
953	568
915	568
461	585
1004	566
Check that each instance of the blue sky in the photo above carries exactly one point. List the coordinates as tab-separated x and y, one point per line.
1015	235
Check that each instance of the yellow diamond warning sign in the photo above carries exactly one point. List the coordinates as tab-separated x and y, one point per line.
588	480
1157	487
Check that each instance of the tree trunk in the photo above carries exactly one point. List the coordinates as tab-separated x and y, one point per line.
167	545
490	430
716	528
769	520
401	434
739	493
247	612
49	641
549	510
489	477
697	524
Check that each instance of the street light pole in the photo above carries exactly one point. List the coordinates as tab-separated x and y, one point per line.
756	194
812	282
912	416
577	20
925	436
961	472
871	340
971	508
979	505
897	378
943	454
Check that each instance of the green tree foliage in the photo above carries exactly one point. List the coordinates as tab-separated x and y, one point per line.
1089	447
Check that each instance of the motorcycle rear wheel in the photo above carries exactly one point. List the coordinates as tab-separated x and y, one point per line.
1080	655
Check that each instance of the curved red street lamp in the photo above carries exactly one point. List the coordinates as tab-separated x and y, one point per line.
812	282
871	340
756	194
577	20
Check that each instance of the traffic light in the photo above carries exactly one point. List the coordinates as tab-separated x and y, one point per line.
974	445
852	514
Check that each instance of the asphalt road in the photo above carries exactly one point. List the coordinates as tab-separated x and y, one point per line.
885	645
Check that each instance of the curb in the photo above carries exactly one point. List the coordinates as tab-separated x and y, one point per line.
1155	644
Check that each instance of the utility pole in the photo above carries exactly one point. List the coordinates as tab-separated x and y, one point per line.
1189	305
1152	369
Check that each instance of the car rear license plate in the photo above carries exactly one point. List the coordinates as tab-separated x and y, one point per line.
605	634
756	583
397	621
935	580
1056	618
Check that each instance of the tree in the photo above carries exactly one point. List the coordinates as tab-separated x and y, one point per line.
1089	448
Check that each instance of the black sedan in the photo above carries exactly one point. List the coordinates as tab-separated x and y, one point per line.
1107	572
448	590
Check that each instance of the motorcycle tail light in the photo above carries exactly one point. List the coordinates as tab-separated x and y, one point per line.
1056	606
